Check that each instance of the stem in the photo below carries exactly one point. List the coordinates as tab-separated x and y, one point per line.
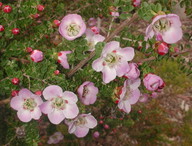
124	24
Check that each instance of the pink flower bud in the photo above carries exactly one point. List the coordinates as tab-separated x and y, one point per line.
133	72
2	28
153	82
136	3
106	126
29	49
15	31
163	48
39	92
56	72
14	93
15	81
96	134
7	9
36	56
56	23
40	8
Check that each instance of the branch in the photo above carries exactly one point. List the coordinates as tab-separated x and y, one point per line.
125	23
4	101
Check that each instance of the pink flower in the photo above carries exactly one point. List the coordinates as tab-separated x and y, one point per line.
59	104
133	72
136	3
130	94
80	125
55	138
167	27
153	82
93	39
62	59
92	22
27	105
113	61
162	48
36	56
72	26
87	93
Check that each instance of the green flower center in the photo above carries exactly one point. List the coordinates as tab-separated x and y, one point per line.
112	59
80	121
85	91
59	103
29	104
162	25
73	29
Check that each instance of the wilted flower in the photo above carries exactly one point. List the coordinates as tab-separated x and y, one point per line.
62	59
87	93
133	72
130	94
153	82
72	26
55	138
59	104
113	61
93	39
27	105
36	56
20	132
81	124
165	27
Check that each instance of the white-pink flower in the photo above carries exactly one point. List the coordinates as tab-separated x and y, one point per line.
153	82
36	56
165	27
133	72
59	104
81	124
27	105
55	138
113	61
93	39
130	94
72	26
87	93
62	59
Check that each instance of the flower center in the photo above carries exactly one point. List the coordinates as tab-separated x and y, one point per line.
162	25
80	121
112	59
73	29
59	103
85	91
29	104
91	44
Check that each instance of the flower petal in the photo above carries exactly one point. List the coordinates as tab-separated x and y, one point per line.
109	74
46	107
172	35
125	106
71	128
25	93
109	47
52	91
127	53
70	96
122	68
91	121
56	116
134	96
71	111
134	84
81	131
36	114
16	102
97	65
63	59
24	115
149	32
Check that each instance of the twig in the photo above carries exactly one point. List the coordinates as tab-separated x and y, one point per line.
92	54
110	26
21	60
4	101
45	82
